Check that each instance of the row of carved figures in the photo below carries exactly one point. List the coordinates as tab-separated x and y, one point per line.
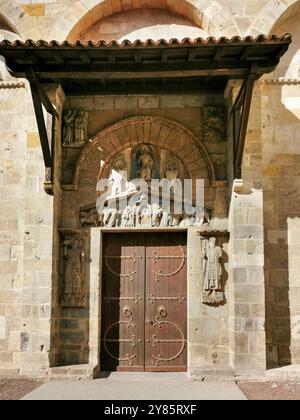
75	128
148	216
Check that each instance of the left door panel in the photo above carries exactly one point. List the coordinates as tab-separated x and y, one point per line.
123	300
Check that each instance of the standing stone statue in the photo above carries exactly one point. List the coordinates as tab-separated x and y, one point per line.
74	128
80	127
75	258
68	131
212	272
145	164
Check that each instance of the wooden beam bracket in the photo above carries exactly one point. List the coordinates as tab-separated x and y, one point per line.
240	117
40	99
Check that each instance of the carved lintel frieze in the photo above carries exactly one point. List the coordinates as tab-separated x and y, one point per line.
74	284
141	215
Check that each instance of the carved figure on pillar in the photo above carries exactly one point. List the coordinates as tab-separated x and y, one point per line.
212	272
75	275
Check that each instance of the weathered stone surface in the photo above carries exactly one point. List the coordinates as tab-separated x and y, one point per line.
261	264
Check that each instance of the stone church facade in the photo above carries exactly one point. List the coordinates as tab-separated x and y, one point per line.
143	289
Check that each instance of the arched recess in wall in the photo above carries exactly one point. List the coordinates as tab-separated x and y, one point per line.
153	131
83	15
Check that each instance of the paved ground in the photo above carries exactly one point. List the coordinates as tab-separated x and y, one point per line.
286	391
135	387
11	389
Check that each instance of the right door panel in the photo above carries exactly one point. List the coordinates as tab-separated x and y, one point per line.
166	303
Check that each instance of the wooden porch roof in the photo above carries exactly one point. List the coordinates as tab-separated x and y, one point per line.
141	67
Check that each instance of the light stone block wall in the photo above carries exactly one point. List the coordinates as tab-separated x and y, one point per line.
25	237
208	326
55	19
246	285
281	182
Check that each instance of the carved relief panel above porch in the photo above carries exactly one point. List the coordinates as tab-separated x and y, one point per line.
74	128
143	149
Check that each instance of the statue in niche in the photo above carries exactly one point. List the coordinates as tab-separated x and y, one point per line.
74	128
157	214
166	219
145	164
128	217
110	216
68	131
143	213
75	259
204	218
188	221
80	127
212	272
172	170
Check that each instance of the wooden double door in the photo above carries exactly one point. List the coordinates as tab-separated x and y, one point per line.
144	302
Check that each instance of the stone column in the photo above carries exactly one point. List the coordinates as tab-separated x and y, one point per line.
246	285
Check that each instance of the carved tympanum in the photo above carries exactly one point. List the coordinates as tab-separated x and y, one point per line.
213	292
75	128
74	290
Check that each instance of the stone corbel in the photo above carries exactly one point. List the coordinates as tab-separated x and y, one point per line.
238	186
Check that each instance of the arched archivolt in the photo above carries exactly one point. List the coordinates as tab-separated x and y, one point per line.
82	15
292	10
271	14
155	131
12	17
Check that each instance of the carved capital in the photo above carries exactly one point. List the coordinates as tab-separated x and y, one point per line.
238	186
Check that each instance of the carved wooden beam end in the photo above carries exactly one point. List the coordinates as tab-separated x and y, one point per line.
48	185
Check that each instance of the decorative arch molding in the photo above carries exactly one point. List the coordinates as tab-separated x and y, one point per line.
292	9
13	17
272	14
84	14
159	132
